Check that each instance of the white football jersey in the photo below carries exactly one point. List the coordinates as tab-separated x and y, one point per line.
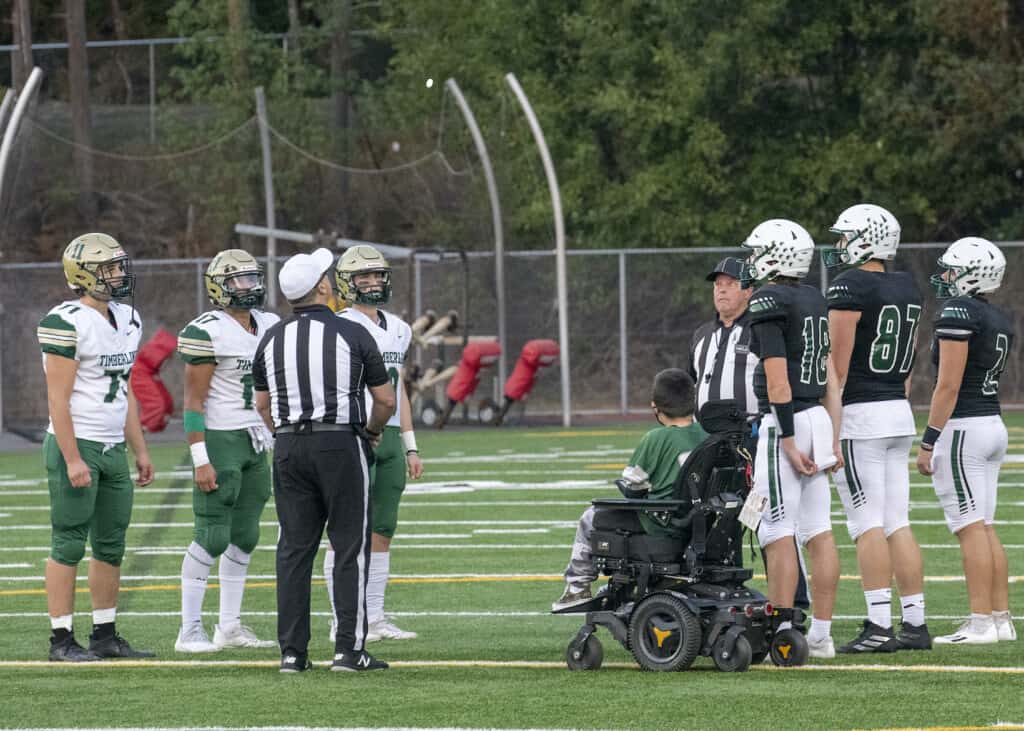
105	354
393	337
217	337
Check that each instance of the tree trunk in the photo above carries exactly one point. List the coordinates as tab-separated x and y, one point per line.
238	25
294	26
21	59
121	34
78	81
341	104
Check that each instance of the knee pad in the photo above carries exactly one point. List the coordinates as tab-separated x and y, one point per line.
67	547
246	536
213	538
109	549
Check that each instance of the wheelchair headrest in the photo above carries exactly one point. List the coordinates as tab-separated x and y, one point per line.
717	417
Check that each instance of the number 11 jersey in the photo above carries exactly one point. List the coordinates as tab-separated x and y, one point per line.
216	337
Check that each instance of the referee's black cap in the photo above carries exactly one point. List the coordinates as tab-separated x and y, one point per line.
729	265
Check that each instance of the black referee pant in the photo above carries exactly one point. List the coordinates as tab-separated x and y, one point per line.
322	477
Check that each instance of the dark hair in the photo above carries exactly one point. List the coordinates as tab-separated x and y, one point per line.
673	393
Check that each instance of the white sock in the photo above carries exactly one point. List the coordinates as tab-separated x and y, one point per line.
1001	616
820	630
913	609
879	603
329	578
104	616
982	620
234	565
195	569
380	567
64	622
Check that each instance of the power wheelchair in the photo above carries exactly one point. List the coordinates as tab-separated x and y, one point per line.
671	598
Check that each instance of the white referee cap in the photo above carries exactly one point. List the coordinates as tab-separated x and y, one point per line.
302	272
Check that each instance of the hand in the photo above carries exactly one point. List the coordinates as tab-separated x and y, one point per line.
374	436
840	462
924	462
803	464
206	478
78	473
415	465
145	468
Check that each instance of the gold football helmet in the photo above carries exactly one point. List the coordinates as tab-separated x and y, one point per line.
96	265
234	279
363	259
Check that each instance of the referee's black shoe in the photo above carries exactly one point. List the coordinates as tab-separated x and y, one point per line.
115	646
291	663
353	661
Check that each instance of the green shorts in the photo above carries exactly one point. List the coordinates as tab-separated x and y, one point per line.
231	513
387	482
100	512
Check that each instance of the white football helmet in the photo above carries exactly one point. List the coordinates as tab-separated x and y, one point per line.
780	248
870	232
969	266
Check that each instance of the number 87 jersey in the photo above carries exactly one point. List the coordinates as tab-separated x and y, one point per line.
216	337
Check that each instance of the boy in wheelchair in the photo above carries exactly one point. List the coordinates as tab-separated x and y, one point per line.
671	550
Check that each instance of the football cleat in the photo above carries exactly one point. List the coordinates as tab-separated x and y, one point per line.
871	639
67	649
972	632
823	650
384	630
572	597
914	637
116	646
1005	629
238	635
354	662
193	638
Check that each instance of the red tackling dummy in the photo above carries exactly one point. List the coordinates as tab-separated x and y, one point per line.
155	402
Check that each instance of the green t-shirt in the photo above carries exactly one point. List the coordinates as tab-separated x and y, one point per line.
658	458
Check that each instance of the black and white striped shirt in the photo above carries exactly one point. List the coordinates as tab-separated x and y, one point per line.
315	366
722	365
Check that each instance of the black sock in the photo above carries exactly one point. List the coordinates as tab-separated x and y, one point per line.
102	631
59	634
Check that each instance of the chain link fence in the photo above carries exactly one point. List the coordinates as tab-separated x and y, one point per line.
620	334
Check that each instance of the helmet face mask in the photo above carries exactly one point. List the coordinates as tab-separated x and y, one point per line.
97	266
970	266
868	232
234	280
352	265
779	248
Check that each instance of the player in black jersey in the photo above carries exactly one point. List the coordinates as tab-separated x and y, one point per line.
790	335
873	318
965	442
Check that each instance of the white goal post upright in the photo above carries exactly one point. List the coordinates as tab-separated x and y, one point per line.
560	265
29	90
268	196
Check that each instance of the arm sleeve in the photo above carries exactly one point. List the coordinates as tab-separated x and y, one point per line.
58	336
195	346
841	296
770	339
956	321
376	373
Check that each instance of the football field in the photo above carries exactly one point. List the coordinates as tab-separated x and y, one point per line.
476	563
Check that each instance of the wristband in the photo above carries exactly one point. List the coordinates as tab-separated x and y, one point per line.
931	435
194	421
409	441
784	418
199	455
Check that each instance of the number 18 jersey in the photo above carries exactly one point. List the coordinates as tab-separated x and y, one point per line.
217	337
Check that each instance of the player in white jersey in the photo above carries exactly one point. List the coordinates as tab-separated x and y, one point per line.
364	282
89	345
229	444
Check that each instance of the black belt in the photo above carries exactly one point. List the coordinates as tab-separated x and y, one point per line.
308	427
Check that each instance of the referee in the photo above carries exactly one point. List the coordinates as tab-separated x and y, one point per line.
308	373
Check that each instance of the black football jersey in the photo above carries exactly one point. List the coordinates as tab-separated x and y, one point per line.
989	337
889	304
801	317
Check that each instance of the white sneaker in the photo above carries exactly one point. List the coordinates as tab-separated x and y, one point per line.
1005	629
824	649
238	635
193	638
972	632
385	630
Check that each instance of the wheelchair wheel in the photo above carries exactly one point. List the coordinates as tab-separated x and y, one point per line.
788	648
589	658
735	661
663	634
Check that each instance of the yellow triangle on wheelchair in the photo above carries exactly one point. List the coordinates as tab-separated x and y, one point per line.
661	634
784	650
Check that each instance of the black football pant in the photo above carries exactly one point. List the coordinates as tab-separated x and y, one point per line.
322	478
